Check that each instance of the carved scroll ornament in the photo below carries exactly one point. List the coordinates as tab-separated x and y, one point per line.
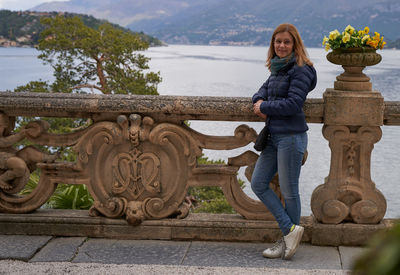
16	166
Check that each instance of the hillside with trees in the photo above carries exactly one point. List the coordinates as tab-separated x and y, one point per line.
393	44
239	22
22	28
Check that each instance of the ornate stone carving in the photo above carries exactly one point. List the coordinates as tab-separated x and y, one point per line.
349	194
148	166
130	174
16	166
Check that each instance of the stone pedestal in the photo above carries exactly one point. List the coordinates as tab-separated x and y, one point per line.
353	108
353	115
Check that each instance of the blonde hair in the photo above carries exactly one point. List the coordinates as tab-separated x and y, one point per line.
298	46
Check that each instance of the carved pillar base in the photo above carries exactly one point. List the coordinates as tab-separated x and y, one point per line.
349	194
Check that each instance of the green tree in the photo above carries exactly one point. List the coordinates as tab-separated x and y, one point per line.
103	59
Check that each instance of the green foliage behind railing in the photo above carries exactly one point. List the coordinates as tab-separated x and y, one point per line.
210	199
71	197
65	196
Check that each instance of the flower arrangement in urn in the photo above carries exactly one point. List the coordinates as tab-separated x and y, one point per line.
353	49
352	38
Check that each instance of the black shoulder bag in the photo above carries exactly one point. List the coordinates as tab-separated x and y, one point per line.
262	138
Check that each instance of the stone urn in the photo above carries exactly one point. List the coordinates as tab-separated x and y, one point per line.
353	61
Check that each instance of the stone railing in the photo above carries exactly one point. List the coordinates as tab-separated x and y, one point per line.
138	158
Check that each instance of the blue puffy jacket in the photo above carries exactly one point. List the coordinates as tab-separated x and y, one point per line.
284	94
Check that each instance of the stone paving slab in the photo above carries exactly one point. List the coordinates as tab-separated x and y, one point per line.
21	247
108	251
348	254
59	250
250	255
315	257
225	254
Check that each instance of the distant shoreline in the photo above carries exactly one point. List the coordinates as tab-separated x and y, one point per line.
166	45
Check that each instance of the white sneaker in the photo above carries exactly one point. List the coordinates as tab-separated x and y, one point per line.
276	251
292	241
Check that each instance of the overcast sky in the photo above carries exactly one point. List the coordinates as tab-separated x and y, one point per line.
17	5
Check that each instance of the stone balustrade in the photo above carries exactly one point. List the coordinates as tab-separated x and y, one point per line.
138	157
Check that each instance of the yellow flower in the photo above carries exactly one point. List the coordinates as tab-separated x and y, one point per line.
381	43
326	39
351	37
334	34
349	29
373	43
346	37
327	47
365	37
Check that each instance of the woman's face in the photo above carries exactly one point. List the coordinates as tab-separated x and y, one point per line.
283	44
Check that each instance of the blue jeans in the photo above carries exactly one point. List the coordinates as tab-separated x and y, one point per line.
283	154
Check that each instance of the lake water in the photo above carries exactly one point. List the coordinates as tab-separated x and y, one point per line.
239	71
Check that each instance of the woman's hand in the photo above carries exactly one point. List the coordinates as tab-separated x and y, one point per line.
257	111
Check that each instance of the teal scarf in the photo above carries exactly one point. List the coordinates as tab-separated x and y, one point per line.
278	63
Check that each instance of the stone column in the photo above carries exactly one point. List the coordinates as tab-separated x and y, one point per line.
353	114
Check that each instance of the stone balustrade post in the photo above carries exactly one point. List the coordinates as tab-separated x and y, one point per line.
353	114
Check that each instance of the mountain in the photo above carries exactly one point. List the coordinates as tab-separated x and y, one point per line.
125	12
239	22
22	28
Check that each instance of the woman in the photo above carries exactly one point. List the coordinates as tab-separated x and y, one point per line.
280	102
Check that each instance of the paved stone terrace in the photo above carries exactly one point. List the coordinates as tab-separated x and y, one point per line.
69	241
23	254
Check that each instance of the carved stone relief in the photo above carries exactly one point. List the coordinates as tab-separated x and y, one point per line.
16	165
139	168
152	167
